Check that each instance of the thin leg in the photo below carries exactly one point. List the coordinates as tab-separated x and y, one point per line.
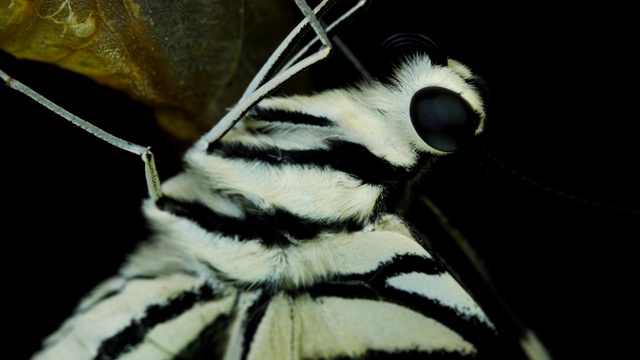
259	88
153	181
336	41
285	47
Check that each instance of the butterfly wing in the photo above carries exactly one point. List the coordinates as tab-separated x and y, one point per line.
157	317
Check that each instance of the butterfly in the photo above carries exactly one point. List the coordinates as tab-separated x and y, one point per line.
128	183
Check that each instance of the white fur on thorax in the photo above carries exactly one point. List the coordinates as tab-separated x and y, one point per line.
180	241
303	190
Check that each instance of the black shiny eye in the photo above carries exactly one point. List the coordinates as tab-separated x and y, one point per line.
442	118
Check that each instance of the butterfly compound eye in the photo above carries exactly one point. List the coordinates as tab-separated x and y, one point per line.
442	118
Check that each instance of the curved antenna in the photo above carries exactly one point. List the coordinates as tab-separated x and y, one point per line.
84	125
259	88
153	180
566	195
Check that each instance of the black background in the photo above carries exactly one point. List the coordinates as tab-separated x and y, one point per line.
563	84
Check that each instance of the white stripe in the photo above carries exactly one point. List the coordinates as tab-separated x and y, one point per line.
442	288
303	327
81	335
305	191
282	135
189	186
171	337
233	351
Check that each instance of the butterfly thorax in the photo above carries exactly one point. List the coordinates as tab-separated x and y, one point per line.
275	207
296	178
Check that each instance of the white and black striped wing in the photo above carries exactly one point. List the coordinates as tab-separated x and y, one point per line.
155	317
407	306
380	295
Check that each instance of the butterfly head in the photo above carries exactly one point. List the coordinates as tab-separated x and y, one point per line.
441	97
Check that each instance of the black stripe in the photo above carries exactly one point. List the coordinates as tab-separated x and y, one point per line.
408	354
273	229
133	334
254	317
294	117
348	157
373	286
470	328
369	285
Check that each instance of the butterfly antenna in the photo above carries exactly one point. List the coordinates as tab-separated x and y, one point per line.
562	194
